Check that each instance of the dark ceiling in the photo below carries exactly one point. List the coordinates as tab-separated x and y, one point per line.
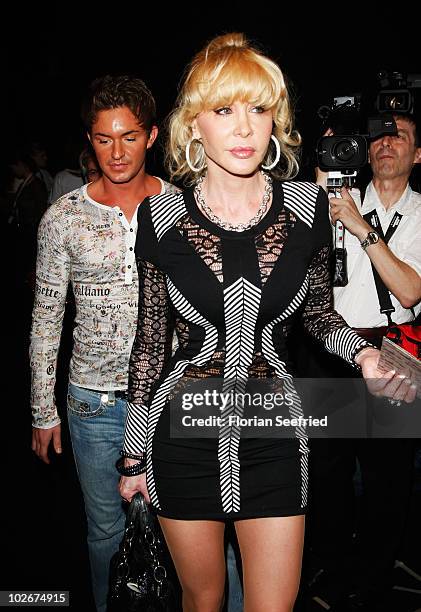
52	56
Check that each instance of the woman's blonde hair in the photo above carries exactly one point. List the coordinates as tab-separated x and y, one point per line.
226	70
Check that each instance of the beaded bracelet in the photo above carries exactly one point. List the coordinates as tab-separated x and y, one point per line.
127	455
355	352
130	470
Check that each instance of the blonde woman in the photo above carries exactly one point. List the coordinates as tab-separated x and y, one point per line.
233	259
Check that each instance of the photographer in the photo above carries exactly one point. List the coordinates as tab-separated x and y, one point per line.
358	575
398	263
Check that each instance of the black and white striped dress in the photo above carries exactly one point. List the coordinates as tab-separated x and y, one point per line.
232	297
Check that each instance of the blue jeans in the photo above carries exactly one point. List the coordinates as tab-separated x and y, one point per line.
96	422
235	591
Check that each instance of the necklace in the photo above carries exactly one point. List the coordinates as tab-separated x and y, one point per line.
227	225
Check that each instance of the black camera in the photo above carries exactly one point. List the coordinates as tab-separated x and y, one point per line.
347	151
396	93
350	152
342	152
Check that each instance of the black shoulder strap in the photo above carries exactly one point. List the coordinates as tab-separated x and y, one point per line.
383	294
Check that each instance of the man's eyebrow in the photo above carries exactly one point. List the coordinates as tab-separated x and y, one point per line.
131	132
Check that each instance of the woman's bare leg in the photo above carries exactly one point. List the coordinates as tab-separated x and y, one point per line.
271	552
197	549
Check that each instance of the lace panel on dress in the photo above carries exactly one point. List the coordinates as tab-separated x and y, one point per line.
270	243
319	318
182	332
152	343
204	243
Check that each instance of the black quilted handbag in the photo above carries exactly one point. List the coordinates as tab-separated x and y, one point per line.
142	577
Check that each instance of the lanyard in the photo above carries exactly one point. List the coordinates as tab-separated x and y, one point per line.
373	219
383	293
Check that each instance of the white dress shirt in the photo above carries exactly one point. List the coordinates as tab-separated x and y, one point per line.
357	302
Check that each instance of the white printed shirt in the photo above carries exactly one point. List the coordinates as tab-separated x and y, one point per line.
91	246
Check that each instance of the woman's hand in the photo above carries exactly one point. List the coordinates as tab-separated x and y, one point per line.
130	485
396	387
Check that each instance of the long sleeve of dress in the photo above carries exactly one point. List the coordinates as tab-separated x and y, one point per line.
52	277
319	317
151	348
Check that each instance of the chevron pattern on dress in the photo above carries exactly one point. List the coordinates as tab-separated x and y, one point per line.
304	451
229	475
295	409
344	342
301	197
136	429
208	348
166	210
155	410
228	446
241	307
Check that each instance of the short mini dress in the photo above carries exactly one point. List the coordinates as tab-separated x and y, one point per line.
232	297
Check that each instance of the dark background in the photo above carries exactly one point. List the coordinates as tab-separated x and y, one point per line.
49	56
52	55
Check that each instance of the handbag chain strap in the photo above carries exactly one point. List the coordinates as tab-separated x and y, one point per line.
153	543
122	569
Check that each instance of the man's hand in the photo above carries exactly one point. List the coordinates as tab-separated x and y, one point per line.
344	209
41	439
384	384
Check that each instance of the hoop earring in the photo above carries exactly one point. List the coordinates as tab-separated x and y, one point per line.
277	156
188	160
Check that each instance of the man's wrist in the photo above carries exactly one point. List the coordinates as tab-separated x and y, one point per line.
38	425
372	237
362	232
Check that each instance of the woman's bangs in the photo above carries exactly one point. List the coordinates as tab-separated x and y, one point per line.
242	81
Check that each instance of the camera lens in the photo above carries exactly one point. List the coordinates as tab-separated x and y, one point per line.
345	150
396	102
